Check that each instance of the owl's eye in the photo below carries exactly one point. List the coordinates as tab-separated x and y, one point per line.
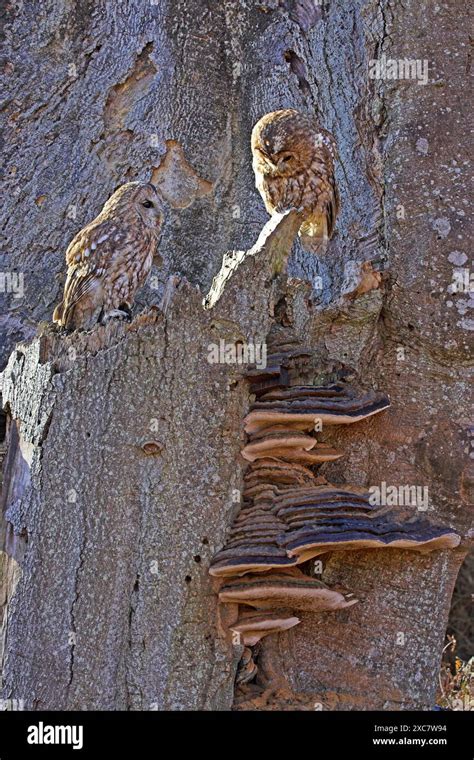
148	204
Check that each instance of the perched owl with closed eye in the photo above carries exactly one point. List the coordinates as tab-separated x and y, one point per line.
111	258
293	161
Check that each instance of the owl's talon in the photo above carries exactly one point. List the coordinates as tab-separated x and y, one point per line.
116	314
124	307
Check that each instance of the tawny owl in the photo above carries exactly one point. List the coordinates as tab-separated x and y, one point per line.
293	161
111	258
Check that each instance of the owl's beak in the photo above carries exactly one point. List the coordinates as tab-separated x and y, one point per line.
270	166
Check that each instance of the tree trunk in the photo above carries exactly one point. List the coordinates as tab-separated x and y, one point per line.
122	472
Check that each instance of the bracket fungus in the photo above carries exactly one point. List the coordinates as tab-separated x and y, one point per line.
290	514
292	589
246	669
285	357
324	533
253	544
288	446
292	525
253	626
301	406
276	444
276	472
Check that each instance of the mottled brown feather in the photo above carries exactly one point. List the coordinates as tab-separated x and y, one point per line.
111	257
293	161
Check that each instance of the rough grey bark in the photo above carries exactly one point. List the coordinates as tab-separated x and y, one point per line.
121	522
114	608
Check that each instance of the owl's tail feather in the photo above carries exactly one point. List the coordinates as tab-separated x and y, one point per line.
65	316
314	234
58	313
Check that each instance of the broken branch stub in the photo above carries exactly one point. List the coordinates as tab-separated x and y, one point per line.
270	252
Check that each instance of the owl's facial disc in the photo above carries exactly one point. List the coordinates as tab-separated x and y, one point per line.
267	164
149	207
285	163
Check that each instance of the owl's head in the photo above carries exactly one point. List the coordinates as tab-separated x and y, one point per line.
282	143
149	206
141	199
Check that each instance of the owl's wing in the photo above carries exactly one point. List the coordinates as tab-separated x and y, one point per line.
88	257
89	242
81	279
319	226
329	155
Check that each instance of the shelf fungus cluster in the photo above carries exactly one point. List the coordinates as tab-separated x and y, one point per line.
290	515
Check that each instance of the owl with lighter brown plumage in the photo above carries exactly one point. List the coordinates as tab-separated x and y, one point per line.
293	161
110	259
